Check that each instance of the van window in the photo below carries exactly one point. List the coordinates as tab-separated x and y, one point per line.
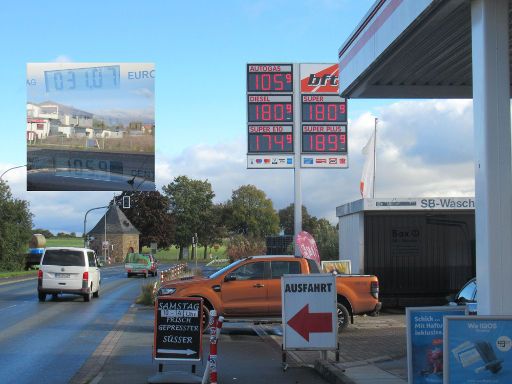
92	259
64	257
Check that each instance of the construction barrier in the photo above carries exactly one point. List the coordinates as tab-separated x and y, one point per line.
215	324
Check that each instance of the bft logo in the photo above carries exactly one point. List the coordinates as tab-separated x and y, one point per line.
327	79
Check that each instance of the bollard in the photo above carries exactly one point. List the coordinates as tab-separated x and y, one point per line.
213	349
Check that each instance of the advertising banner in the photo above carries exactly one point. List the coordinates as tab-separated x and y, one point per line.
425	342
307	246
477	349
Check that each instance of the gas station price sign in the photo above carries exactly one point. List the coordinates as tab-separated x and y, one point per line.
324	138
270	139
270	108
323	108
269	78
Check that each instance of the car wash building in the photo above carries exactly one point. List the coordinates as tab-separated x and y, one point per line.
421	249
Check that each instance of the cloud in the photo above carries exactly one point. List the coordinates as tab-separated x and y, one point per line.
423	149
63	59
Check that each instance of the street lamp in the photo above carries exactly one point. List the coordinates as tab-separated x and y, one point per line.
85	221
10	169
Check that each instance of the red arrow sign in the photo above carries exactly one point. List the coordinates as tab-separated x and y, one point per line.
305	322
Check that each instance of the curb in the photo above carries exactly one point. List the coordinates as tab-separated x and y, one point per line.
332	373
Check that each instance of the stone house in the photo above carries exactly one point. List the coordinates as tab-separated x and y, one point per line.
121	235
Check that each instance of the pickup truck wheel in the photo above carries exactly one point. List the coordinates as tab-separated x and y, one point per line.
206	318
343	317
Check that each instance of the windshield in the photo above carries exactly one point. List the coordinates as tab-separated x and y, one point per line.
221	271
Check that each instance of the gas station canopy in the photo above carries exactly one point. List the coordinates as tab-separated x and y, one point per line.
410	49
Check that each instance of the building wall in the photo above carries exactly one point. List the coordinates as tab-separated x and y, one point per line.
121	245
351	236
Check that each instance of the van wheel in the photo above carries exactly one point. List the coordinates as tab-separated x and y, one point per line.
97	293
145	275
128	275
343	317
55	296
87	296
41	296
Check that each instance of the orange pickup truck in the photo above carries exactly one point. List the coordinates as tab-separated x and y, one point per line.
250	288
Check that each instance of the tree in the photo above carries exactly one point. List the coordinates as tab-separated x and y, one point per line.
287	220
15	229
190	202
45	232
251	213
213	229
327	240
149	213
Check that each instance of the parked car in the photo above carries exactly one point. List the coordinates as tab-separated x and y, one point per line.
250	288
467	294
69	270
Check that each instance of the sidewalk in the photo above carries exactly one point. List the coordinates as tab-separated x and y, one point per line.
373	350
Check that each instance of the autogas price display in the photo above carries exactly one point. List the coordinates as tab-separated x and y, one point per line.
80	79
323	108
324	139
270	109
270	139
269	78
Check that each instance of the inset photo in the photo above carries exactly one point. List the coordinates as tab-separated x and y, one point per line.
90	126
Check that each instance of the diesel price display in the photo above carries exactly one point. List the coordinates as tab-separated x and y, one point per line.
269	109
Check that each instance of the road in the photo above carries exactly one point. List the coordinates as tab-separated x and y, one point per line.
48	342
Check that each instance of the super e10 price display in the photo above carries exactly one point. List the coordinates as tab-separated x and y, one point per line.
270	142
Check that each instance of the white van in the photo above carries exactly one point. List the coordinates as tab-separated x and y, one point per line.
69	270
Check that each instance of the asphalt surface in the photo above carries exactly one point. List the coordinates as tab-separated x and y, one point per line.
48	342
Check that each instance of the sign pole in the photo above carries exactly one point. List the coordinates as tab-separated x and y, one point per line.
297	214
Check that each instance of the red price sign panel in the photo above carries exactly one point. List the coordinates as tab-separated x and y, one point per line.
324	138
269	78
270	139
323	109
269	109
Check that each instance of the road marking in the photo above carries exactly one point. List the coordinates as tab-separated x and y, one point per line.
10	306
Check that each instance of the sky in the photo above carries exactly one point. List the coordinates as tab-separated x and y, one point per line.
200	50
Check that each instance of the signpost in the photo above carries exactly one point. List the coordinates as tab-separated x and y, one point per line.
309	312
295	119
178	329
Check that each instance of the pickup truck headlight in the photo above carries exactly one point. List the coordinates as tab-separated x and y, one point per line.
166	291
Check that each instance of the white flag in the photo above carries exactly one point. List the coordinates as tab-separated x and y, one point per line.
366	184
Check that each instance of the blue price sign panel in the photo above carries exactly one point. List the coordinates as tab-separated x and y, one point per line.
91	126
425	342
478	349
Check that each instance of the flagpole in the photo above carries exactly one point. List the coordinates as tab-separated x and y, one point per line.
374	156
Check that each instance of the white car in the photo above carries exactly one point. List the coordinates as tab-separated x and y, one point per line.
69	270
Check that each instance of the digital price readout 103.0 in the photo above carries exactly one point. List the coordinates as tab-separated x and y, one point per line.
80	79
269	78
270	139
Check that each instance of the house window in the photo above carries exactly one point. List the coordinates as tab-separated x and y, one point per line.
40	127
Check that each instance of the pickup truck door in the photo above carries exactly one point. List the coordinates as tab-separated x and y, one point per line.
278	269
246	294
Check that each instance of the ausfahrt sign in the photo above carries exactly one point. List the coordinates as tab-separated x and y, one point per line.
178	329
309	312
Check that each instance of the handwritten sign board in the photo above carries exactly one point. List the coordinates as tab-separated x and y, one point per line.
178	329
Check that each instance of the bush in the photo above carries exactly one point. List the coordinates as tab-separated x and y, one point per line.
147	295
240	246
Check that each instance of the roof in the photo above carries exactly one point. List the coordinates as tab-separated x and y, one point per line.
66	109
407	204
117	223
410	49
